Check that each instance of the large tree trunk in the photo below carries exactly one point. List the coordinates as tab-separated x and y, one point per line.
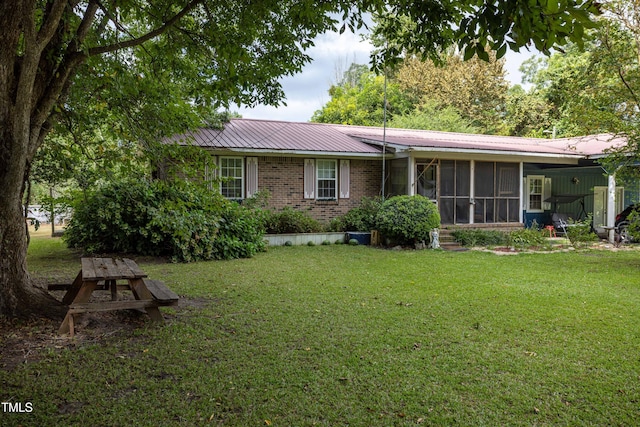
18	296
27	95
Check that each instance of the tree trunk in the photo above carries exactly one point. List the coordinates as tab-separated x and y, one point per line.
18	296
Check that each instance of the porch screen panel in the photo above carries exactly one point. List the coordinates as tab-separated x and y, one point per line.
447	178
483	210
508	192
427	181
514	210
497	192
455	190
462	210
463	179
397	184
484	192
447	211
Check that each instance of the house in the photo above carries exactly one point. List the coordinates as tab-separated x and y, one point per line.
476	180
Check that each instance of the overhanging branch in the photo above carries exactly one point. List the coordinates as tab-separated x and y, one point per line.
98	50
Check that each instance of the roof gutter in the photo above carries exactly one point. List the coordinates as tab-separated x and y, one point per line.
298	153
495	152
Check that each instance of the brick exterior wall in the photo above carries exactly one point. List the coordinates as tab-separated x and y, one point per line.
284	178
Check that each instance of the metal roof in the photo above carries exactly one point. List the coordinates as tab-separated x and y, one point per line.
292	137
426	139
277	136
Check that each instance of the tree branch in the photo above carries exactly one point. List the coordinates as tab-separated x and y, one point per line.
146	37
60	76
50	23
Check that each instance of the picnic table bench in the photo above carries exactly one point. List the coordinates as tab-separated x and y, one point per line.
113	275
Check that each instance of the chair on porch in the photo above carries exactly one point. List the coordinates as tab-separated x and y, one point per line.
560	222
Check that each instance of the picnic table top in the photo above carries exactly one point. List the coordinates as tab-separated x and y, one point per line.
110	269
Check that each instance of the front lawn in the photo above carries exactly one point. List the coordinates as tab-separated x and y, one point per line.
343	335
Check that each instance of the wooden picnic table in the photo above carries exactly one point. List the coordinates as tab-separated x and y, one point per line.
113	275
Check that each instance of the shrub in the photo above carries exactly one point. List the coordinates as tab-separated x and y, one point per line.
354	242
407	219
177	219
580	233
634	225
526	238
361	218
478	237
290	220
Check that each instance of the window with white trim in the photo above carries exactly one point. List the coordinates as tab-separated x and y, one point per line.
535	193
326	179
232	177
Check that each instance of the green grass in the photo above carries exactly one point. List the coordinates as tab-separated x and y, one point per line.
343	335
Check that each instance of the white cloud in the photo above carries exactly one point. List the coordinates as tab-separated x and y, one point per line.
332	54
308	91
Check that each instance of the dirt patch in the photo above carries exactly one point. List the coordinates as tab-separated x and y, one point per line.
26	341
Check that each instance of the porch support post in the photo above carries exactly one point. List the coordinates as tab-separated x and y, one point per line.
472	192
521	206
411	175
611	207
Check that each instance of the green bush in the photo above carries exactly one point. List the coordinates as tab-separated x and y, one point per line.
361	218
580	233
477	237
407	219
177	219
527	238
634	225
290	220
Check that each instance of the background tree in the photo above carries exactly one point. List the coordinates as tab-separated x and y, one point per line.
363	103
527	114
475	88
217	52
432	116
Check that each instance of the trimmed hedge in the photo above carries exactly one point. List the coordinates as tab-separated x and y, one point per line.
407	219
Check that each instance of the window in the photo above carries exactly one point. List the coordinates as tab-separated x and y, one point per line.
326	175
322	179
535	193
231	174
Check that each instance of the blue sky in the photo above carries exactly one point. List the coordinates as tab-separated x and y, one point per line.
307	91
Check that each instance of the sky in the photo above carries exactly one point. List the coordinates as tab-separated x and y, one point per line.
332	54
